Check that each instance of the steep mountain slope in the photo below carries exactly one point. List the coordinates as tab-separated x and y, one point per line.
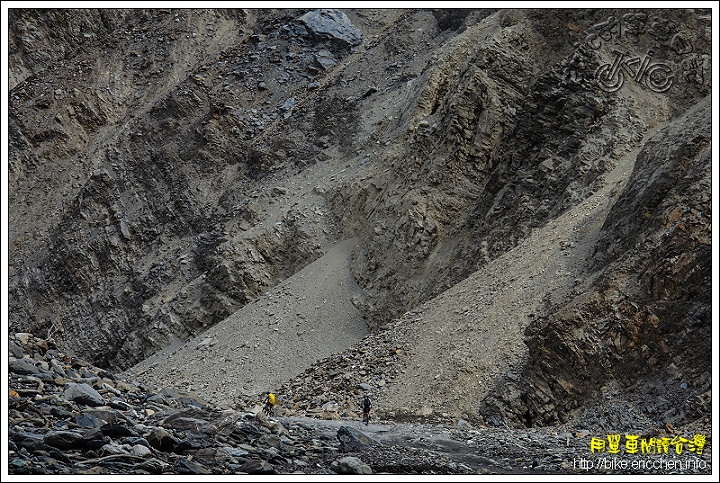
642	317
267	341
557	323
173	166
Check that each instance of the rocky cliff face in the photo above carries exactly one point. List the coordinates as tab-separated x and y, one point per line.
168	167
649	305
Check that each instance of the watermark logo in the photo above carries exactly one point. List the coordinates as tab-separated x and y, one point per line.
631	452
656	76
649	464
652	51
634	445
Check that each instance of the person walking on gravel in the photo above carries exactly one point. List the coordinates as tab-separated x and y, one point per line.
366	405
269	408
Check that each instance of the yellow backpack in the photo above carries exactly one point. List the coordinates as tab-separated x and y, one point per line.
271	398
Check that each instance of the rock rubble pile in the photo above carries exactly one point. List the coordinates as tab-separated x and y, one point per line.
332	388
68	417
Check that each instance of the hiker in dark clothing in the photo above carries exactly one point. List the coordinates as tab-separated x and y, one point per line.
366	405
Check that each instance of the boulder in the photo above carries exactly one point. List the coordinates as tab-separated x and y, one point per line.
108	416
32	442
350	466
85	420
63	440
21	366
83	394
116	430
161	439
353	440
94	439
332	23
186	466
15	350
113	449
257	467
152	466
182	422
23	337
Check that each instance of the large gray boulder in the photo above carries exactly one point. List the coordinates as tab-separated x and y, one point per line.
332	23
83	394
350	466
21	366
353	440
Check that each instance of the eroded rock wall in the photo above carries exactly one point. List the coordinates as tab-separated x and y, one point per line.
648	315
172	165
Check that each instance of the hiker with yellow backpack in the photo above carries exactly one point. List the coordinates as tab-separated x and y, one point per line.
269	408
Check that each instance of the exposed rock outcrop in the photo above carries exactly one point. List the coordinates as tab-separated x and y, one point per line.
650	300
529	191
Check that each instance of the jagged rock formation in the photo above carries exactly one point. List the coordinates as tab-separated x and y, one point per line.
172	166
651	298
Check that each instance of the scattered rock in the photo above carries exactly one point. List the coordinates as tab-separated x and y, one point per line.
83	394
21	366
63	439
353	440
161	439
350	465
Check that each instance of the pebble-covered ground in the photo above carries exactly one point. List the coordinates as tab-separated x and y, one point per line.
67	417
